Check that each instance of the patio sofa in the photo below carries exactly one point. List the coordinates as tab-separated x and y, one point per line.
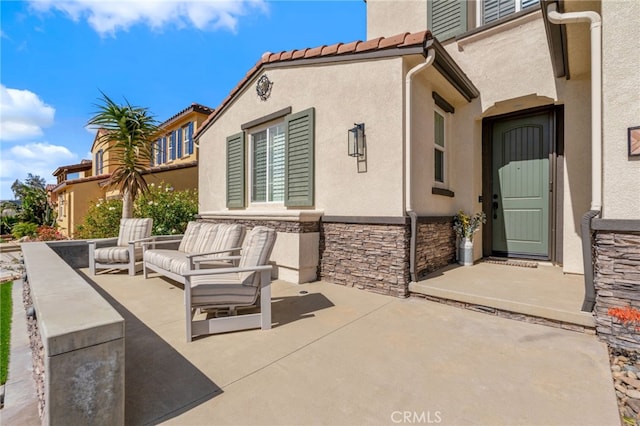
213	243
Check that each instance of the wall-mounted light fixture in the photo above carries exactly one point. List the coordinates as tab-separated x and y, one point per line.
356	140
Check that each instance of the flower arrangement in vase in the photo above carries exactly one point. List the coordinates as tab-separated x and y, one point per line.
465	226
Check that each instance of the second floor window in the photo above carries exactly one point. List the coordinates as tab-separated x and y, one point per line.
496	9
187	136
448	18
172	145
267	165
99	166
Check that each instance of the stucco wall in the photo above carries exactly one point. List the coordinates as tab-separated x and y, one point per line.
77	200
620	107
511	66
342	94
179	179
390	17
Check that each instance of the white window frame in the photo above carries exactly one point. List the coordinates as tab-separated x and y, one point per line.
170	145
444	150
252	133
480	12
185	140
61	211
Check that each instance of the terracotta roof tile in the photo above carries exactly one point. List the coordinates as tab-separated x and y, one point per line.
193	107
348	47
416	38
264	58
312	53
331	50
354	47
297	54
392	41
369	44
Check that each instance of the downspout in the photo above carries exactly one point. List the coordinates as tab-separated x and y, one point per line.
408	205
596	137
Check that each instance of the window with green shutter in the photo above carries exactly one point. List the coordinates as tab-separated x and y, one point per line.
235	171
299	159
447	18
281	160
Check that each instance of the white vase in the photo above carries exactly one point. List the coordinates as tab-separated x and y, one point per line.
465	252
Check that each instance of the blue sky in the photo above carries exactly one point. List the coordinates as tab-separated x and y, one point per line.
56	57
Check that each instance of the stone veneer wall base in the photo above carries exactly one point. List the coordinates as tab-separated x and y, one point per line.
435	244
367	256
617	284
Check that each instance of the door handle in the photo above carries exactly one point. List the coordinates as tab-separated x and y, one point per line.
495	209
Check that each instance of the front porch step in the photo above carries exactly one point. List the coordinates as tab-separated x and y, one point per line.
576	321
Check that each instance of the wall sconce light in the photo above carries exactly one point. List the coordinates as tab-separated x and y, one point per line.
356	140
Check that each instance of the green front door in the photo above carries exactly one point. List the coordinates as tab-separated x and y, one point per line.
520	197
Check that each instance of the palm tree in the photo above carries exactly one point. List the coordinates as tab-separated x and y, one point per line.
128	133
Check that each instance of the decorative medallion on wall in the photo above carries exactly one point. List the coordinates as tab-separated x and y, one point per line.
263	87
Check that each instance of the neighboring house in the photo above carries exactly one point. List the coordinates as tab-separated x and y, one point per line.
490	109
76	186
175	162
175	154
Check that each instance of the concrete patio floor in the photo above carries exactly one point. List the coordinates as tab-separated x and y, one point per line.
544	291
342	356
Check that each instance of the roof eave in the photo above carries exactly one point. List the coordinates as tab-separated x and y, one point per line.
362	56
557	41
197	108
450	70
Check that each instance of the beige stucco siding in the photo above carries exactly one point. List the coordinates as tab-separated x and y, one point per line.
342	94
621	108
511	67
390	17
462	156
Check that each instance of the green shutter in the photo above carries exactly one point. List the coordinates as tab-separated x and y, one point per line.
235	170
447	18
299	159
496	9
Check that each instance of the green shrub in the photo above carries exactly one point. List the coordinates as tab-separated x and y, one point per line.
7	223
170	210
102	220
24	229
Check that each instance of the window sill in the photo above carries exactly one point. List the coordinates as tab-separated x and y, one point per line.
508	22
284	215
441	191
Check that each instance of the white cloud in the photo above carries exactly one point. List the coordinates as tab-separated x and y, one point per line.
22	114
37	158
110	16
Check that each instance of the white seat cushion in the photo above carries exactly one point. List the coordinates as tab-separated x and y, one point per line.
115	254
134	229
221	294
189	238
169	260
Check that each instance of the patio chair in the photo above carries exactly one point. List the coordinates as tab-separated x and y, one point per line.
227	289
122	252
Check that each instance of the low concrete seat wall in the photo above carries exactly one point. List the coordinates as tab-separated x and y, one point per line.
83	338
